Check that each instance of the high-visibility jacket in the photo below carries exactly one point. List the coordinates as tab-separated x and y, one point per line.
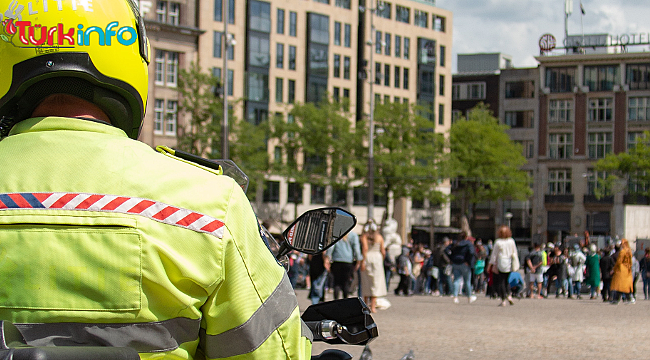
104	241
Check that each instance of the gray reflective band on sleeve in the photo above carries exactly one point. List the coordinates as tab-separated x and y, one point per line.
250	335
145	337
306	332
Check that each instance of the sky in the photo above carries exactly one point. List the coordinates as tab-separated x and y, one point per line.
513	27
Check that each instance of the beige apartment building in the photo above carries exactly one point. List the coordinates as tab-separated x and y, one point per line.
282	52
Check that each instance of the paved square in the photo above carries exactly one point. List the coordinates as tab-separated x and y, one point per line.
436	328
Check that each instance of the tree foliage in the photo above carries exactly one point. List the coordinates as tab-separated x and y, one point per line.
202	136
409	155
316	142
632	166
486	161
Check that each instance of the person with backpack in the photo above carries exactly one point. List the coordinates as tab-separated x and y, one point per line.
404	270
462	261
536	277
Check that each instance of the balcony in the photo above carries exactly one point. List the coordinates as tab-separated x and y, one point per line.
558	199
630	199
591	199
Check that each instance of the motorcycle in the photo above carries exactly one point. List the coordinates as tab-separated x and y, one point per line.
346	321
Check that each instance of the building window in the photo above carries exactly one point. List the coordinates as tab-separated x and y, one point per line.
317	194
398	46
277	151
279	90
346	98
560	111
258	86
398	73
441	114
592	180
377	73
360	196
378	36
291	91
638	109
633	138
279	56
171	115
443	54
386	74
520	119
559	182
403	14
346	67
441	85
260	16
528	148
439	23
560	146
561	79
421	18
520	89
158	120
337	33
323	1
218	10
231	11
342	4
637	183
337	66
387	45
231	82
599	144
476	91
336	95
600	109
456	115
294	193
407	48
293	23
384	9
166	68
638	76
259	52
601	78
292	57
406	79
427	82
216	44
272	192
280	22
347	36
168	12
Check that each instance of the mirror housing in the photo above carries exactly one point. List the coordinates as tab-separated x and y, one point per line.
316	230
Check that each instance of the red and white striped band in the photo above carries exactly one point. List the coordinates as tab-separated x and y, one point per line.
150	209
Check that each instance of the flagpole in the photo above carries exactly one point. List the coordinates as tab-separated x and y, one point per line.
582	27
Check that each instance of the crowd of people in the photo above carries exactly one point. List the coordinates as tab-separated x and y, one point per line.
465	267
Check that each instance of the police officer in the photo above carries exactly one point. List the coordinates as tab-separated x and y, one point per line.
104	241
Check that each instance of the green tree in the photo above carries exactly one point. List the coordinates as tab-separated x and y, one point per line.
202	135
316	140
486	161
632	166
408	153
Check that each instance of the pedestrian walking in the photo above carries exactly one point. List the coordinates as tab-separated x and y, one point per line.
503	260
622	278
592	266
644	266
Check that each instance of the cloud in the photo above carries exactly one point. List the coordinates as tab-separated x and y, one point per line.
514	27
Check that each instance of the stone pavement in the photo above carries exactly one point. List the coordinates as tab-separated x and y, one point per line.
436	328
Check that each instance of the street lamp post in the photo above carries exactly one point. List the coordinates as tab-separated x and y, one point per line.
371	124
225	150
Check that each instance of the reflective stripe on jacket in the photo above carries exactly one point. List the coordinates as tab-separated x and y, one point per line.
103	241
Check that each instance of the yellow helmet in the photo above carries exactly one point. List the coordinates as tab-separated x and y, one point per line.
93	49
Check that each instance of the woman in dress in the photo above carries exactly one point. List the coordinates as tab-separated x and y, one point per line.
503	257
593	271
373	280
622	279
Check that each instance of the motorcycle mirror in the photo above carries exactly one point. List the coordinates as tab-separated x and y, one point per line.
316	230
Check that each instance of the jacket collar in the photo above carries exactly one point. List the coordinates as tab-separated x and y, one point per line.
53	123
